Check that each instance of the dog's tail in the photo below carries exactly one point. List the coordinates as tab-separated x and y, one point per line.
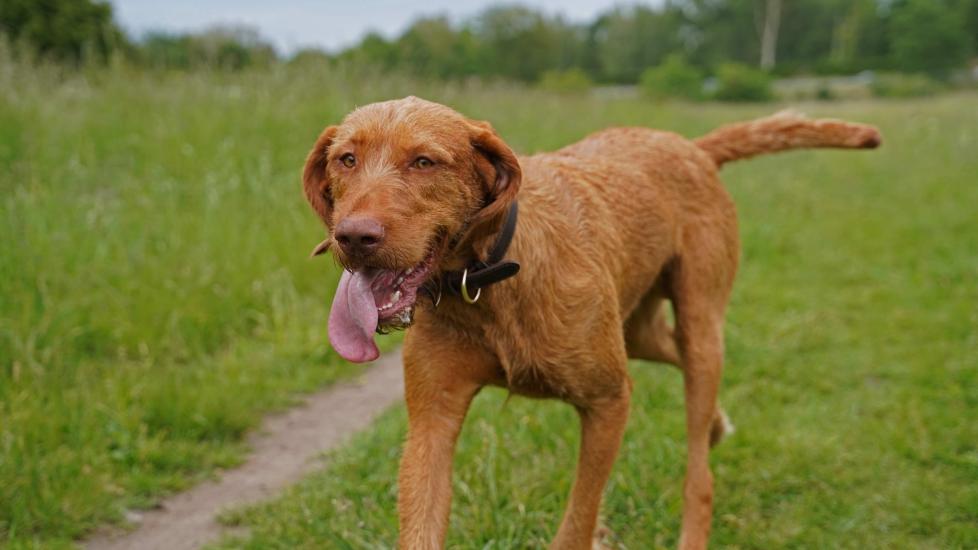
784	131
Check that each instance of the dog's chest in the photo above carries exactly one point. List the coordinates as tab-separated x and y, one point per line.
574	364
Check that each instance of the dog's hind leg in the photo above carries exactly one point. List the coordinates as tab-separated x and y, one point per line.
649	336
701	288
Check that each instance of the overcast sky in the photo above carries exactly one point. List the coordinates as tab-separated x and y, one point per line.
292	24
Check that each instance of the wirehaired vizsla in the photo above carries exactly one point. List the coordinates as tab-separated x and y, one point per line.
420	204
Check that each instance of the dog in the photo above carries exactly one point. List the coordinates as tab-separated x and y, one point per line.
547	301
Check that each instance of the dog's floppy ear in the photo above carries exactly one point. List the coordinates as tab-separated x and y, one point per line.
501	175
315	181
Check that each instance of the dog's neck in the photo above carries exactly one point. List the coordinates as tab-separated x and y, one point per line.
478	274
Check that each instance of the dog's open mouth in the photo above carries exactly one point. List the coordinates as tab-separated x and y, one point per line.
370	300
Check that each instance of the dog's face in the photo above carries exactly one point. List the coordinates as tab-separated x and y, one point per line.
396	183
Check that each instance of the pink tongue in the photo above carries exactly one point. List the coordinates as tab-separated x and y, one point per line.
353	319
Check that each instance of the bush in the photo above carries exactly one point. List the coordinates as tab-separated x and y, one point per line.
824	93
736	82
570	81
674	78
904	85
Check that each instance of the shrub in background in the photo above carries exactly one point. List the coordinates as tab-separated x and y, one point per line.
736	82
573	80
674	78
904	85
825	93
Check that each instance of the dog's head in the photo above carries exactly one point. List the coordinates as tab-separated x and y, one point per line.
405	188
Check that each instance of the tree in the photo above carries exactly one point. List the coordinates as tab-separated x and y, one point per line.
375	50
521	43
968	12
430	46
228	48
721	31
769	34
927	36
856	37
630	40
65	30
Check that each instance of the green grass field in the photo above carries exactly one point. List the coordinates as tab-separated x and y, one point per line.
156	298
156	294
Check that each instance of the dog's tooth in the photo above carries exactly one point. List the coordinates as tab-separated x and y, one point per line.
396	296
405	316
399	280
408	272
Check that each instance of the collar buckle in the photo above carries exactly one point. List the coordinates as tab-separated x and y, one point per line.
494	269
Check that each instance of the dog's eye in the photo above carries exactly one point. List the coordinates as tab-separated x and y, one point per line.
423	162
348	160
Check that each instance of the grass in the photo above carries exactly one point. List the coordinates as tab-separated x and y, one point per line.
852	366
156	294
156	298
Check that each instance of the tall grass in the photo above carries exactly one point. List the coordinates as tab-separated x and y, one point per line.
156	293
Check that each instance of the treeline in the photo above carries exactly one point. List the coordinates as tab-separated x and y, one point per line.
809	36
783	37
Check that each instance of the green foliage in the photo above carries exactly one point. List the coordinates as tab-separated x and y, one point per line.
735	82
570	81
724	31
904	85
520	43
629	39
431	47
927	36
225	48
823	36
156	294
674	78
373	50
63	30
815	30
824	93
850	433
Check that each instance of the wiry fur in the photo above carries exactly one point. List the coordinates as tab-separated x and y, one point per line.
610	229
783	131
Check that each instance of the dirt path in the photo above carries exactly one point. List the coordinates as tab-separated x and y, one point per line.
283	451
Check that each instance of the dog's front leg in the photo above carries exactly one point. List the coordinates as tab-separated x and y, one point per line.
440	381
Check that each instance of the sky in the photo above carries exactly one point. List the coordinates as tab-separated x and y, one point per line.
327	24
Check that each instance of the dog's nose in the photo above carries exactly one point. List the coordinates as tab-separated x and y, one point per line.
359	236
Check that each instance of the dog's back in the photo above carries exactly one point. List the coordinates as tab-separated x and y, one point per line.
624	196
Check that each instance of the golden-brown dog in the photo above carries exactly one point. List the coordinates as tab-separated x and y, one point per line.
609	229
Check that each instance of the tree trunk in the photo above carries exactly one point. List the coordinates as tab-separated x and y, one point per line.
769	36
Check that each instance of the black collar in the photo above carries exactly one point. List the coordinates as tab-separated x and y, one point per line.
480	274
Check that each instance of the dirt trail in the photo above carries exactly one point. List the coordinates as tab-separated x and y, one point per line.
284	449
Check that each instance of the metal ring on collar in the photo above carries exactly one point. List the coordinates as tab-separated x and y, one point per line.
465	291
